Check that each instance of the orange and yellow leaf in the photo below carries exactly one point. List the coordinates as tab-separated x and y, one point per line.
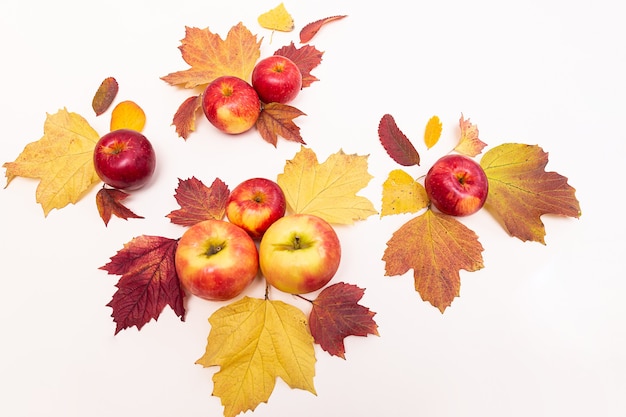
469	143
128	115
432	133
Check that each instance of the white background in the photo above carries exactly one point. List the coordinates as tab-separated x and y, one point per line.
539	331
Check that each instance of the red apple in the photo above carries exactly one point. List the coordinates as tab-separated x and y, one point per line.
216	260
456	185
255	204
124	159
299	253
231	104
276	79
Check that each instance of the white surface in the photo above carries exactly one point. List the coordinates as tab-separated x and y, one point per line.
539	331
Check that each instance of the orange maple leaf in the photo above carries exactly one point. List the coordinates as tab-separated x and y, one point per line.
469	143
199	202
521	191
275	120
210	56
109	202
436	247
306	58
148	282
336	315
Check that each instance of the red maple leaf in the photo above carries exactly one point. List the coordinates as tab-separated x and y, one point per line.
336	314
199	202
275	120
108	201
148	282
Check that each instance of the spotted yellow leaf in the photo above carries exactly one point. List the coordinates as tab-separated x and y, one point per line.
277	19
128	115
402	194
62	160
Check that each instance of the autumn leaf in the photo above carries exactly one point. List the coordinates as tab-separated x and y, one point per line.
255	341
109	202
432	133
327	190
402	194
277	19
336	315
62	160
210	56
436	247
469	143
148	282
106	93
276	119
306	58
310	30
199	202
185	116
397	145
521	191
128	115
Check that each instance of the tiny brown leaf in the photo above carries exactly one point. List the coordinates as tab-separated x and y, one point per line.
185	117
105	95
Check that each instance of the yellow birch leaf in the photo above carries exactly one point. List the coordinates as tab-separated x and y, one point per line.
255	341
128	115
62	160
277	19
402	194
432	132
327	190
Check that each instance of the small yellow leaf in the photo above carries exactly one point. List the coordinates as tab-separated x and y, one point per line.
277	19
128	115
432	132
62	160
327	190
255	341
402	194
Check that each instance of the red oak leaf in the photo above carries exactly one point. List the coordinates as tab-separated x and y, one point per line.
275	120
336	314
306	58
185	117
199	202
309	31
147	284
108	201
397	145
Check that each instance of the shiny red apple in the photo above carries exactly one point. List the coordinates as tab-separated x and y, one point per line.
456	185
124	159
276	79
231	104
255	204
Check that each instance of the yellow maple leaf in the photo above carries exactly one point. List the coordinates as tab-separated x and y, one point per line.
128	115
402	194
277	19
62	160
432	133
254	341
327	190
210	56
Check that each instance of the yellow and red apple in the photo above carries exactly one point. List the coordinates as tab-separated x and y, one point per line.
231	104
216	260
299	253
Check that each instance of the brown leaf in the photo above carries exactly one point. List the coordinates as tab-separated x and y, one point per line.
397	145
310	30
336	315
105	95
469	143
306	58
199	202
148	282
436	247
275	120
521	191
108	201
185	116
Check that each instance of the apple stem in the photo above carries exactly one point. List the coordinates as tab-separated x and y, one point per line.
304	298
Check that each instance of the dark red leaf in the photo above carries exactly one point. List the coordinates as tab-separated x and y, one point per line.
336	314
199	202
148	282
108	201
397	145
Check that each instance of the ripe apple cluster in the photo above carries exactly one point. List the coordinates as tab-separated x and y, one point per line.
456	185
296	253
233	105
